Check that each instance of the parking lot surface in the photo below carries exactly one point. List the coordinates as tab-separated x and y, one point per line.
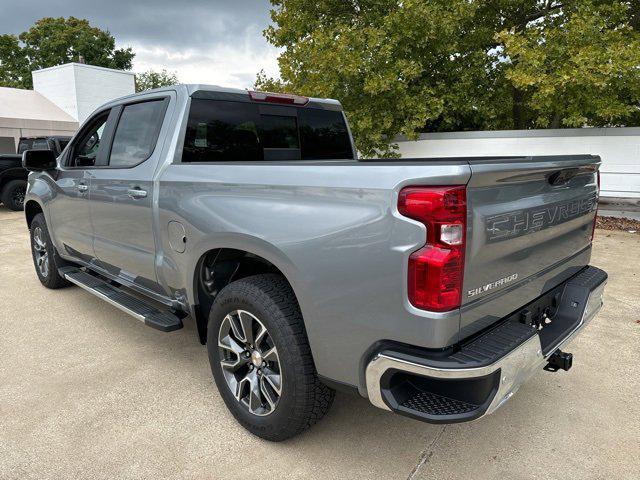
88	392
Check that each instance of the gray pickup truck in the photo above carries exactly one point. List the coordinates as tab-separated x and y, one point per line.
434	287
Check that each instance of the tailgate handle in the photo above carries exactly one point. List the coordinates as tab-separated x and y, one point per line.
562	176
136	193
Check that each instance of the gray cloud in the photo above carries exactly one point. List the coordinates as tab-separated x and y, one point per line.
221	39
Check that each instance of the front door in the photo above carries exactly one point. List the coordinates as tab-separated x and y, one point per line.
69	208
122	195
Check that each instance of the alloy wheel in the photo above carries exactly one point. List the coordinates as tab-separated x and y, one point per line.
40	252
18	197
250	362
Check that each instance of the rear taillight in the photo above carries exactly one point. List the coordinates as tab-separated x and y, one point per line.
278	98
595	218
436	270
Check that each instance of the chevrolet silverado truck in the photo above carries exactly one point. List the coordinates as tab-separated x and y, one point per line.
434	287
13	178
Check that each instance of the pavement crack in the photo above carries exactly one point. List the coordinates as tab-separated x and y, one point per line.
426	454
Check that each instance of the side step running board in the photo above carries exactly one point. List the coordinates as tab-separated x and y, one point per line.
134	306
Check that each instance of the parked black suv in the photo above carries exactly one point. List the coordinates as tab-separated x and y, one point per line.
13	178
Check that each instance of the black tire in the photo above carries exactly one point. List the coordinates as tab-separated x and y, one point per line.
13	195
45	258
304	399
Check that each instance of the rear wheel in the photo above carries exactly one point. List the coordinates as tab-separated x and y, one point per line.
261	360
13	194
44	255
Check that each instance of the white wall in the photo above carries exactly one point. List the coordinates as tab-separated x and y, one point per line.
58	85
79	89
619	149
96	86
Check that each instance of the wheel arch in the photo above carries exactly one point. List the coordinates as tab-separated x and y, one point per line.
222	265
17	173
31	209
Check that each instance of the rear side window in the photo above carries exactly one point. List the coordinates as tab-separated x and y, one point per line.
241	131
33	144
137	133
40	144
24	145
323	134
221	131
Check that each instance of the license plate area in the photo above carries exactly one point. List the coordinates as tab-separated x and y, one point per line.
558	312
567	306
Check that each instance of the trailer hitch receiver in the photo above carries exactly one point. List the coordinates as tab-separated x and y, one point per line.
559	360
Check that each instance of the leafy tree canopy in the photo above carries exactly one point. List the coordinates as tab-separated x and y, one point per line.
408	66
152	79
54	41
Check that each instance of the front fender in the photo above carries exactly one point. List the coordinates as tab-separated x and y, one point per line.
39	190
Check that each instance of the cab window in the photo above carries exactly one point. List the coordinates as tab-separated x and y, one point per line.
219	130
85	151
137	133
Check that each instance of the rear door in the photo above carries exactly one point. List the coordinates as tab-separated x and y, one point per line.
122	193
530	227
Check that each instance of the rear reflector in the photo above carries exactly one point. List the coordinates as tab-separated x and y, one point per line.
451	234
436	270
278	98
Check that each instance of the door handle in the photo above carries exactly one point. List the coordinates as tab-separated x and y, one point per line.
82	187
136	193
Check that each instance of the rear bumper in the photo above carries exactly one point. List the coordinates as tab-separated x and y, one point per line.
484	373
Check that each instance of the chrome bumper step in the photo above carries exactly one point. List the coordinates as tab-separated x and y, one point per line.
164	321
483	373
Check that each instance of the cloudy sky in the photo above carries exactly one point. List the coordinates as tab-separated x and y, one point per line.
203	41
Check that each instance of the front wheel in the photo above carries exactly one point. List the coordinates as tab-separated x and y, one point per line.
44	255
13	194
261	359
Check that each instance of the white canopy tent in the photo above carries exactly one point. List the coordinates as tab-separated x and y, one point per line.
26	113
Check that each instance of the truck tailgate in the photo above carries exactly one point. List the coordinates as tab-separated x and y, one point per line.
530	226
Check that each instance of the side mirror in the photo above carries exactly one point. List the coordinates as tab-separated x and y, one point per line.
39	160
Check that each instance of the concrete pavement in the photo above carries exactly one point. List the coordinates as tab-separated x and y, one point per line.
88	392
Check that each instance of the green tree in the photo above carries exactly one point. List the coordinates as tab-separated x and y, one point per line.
406	66
54	41
152	79
576	68
13	63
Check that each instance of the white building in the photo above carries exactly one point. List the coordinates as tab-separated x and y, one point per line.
61	99
79	89
619	149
